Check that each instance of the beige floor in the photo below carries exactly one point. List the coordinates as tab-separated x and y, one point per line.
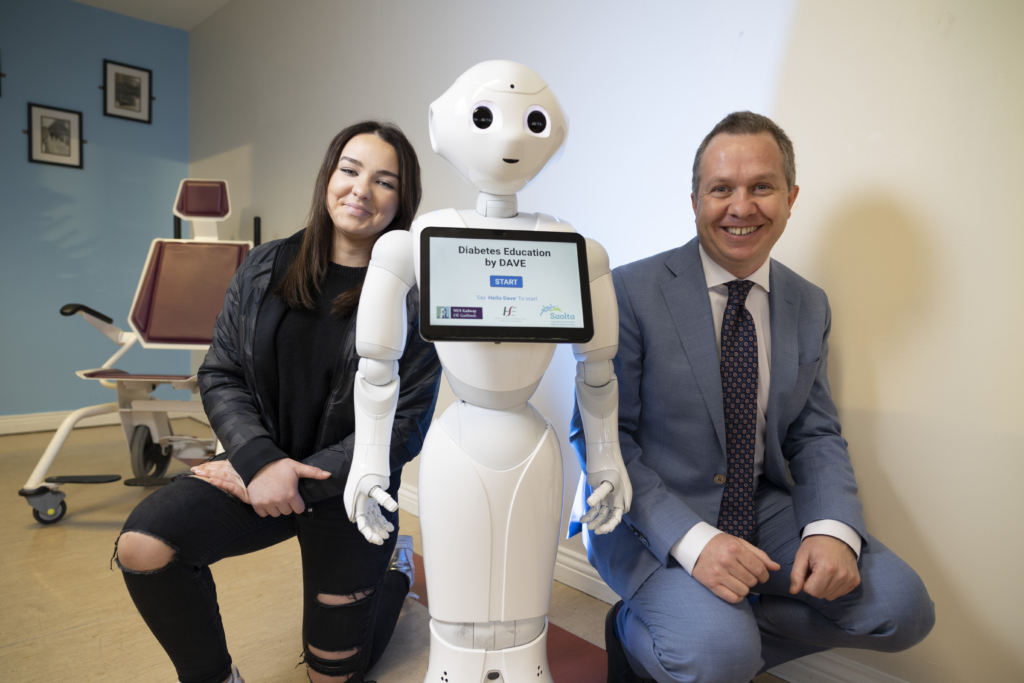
66	613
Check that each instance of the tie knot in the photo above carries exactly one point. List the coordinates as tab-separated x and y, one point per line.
738	290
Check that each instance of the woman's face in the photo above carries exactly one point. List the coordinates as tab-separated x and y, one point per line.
362	194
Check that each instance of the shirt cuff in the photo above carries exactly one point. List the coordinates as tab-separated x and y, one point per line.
688	548
250	458
835	529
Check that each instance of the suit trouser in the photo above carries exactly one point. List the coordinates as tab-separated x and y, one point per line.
675	630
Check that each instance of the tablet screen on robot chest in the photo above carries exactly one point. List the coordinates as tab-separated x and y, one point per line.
504	286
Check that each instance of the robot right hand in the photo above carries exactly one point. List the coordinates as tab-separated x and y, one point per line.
366	491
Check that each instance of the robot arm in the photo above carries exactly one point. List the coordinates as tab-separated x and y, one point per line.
381	327
597	393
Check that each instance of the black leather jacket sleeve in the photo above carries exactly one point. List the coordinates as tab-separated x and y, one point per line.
228	400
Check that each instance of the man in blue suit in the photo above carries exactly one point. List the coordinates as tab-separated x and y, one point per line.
723	382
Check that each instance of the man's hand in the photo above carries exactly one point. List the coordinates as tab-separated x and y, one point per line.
729	567
825	568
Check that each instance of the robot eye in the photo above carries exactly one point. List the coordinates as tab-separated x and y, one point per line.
486	117
535	121
482	117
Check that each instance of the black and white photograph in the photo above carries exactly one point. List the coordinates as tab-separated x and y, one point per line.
55	136
127	91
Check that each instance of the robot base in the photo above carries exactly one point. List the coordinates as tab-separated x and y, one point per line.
522	664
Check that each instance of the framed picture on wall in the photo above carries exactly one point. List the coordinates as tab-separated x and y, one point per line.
127	91
54	136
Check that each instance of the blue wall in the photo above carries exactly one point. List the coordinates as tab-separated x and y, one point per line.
81	235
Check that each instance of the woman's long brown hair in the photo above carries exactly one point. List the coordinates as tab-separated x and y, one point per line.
306	274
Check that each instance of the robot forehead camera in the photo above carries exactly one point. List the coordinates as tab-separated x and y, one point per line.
499	125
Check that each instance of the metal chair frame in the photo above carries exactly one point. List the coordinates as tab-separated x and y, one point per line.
144	419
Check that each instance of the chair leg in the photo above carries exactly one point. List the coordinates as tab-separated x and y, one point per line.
35	480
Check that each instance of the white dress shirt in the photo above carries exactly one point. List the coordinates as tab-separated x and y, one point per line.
689	547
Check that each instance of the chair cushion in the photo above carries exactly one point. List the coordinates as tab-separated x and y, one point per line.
115	374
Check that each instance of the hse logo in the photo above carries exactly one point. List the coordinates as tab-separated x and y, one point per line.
556	313
507	281
508	311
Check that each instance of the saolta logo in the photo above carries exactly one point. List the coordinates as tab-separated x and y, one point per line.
556	313
507	311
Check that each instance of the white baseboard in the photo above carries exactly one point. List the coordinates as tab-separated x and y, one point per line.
829	667
48	422
574	570
408	498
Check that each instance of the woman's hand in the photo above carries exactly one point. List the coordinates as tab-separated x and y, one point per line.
274	490
222	474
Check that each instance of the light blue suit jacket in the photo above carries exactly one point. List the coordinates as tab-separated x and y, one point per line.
671	419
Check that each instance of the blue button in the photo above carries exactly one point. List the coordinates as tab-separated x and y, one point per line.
506	281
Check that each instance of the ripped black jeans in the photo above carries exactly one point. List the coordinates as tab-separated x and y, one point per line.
203	525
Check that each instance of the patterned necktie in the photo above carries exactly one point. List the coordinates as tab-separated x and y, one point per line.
739	394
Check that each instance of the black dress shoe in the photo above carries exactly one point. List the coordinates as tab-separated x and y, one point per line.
619	670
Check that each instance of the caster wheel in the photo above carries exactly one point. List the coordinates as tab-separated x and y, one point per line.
51	516
148	459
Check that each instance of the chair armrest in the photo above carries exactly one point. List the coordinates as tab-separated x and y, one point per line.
71	309
99	321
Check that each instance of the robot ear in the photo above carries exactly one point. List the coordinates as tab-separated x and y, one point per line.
433	138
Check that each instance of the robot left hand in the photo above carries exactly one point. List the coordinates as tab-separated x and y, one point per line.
608	502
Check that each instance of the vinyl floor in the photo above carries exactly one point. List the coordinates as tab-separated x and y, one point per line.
67	616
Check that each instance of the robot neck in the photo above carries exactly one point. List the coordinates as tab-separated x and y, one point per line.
497	205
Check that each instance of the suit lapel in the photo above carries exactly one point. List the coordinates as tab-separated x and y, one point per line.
686	296
784	302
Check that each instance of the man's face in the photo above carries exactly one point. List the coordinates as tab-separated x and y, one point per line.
743	203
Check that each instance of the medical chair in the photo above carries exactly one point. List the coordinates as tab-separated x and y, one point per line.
176	303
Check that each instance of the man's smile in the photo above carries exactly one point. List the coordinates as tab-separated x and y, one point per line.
740	230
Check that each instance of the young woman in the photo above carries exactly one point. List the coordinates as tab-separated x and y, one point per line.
277	387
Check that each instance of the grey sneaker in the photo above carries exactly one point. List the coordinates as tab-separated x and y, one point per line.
402	559
235	677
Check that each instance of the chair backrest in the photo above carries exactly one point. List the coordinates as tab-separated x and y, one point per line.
181	291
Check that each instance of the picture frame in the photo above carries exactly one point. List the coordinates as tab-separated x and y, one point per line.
127	92
54	136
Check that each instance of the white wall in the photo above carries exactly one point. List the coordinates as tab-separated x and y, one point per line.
907	122
271	84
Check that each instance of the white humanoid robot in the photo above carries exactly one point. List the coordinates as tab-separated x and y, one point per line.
490	485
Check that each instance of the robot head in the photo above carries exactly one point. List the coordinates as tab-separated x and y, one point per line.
498	125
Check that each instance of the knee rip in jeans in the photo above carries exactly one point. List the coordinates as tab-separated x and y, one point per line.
330	600
142	558
340	666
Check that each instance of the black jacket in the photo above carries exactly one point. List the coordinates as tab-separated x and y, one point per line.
241	363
